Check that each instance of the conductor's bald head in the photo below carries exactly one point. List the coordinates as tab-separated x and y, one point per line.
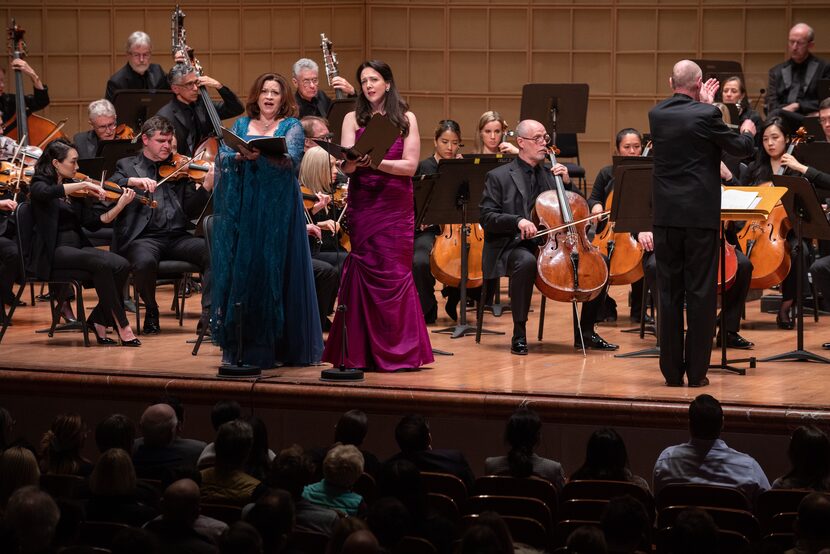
686	78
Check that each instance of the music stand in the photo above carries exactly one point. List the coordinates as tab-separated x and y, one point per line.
91	166
337	112
135	106
113	150
561	108
813	126
815	154
455	200
823	89
804	208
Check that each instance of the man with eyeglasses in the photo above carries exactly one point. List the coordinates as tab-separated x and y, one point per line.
793	85
38	100
138	73
102	119
310	99
510	193
188	112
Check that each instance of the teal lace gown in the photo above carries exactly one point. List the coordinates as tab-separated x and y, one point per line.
262	274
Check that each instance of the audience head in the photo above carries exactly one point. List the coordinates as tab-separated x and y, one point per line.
176	403
686	78
6	429
115	431
343	529
291	470
343	465
361	542
412	434
809	454
401	479
180	503
811	525
693	532
34	516
139	50
273	517
587	539
18	468
158	425
233	444
240	538
705	417
61	445
305	77
524	428
629	142
625	524
389	520
351	428
479	538
800	42
223	412
490	133
824	117
605	457
113	475
258	461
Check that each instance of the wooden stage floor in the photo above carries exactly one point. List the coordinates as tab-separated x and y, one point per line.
481	380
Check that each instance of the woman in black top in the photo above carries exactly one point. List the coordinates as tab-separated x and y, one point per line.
60	243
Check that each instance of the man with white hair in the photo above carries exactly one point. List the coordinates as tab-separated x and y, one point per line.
310	99
689	137
793	85
103	120
138	72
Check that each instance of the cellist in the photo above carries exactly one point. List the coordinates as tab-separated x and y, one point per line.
510	193
38	100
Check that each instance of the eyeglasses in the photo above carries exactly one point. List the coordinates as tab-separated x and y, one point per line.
309	82
327	137
105	127
538	139
189	84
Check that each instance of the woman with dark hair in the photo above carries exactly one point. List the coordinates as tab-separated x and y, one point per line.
113	488
61	445
60	243
260	458
262	275
606	458
522	433
733	91
809	454
385	323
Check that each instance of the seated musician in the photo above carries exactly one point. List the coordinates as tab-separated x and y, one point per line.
38	100
733	91
491	136
102	119
510	193
315	127
188	113
824	118
629	142
138	73
146	236
311	100
9	261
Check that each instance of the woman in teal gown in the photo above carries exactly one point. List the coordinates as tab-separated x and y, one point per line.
263	277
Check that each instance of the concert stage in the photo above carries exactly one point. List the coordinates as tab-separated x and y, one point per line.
475	388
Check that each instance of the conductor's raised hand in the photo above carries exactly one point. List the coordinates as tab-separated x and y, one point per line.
526	228
708	90
748	126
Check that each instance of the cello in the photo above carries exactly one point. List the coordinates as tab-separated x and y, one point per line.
625	255
445	257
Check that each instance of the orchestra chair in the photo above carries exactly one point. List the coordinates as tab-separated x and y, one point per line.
523	529
598	489
583	508
778	542
783	522
513	506
414	545
365	486
446	484
776	501
444	506
227	513
727	519
73	278
530	487
176	272
72	487
100	534
565	527
693	494
568	146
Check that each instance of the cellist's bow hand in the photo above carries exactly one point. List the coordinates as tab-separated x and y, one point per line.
527	229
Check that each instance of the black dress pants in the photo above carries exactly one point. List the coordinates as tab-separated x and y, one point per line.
145	253
820	271
422	274
735	297
326	280
9	269
686	262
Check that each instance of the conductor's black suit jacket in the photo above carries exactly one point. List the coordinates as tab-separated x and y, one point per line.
135	216
503	204
688	138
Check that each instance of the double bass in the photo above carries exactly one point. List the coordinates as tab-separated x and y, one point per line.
330	62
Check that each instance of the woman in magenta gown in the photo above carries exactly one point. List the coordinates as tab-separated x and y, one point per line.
384	324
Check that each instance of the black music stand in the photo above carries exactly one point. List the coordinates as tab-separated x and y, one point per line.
113	150
813	126
455	199
632	213
815	154
337	112
135	106
561	108
823	89
804	209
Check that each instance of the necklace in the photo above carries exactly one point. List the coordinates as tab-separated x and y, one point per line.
267	126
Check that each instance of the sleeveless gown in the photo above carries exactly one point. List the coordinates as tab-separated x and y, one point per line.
384	322
261	259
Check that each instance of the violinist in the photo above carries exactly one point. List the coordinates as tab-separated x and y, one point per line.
733	91
102	119
138	73
9	261
689	137
311	100
824	118
146	236
510	193
38	100
315	127
187	111
60	243
491	136
447	142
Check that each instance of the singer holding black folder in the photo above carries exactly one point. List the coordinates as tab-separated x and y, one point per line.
384	323
263	278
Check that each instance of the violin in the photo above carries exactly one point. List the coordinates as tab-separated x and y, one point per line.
12	175
625	255
179	166
569	267
124	132
445	257
111	191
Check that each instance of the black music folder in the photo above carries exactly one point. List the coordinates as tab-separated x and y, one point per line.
376	140
273	147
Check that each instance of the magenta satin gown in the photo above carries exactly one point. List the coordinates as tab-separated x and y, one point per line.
385	325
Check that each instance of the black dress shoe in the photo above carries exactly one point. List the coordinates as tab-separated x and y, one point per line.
595	342
826	345
610	315
452	308
734	340
104	341
518	346
702	383
784	323
70	325
151	325
635	318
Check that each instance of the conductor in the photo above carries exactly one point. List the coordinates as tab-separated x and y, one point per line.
689	137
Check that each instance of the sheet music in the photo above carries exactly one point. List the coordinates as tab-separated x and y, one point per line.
738	199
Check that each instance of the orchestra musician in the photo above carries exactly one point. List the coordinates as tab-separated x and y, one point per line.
102	119
9	261
310	98
60	244
824	118
315	127
146	236
263	271
187	112
36	101
733	91
510	193
793	85
384	321
688	137
491	138
138	73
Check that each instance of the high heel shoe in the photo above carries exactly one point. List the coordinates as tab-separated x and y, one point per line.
132	342
104	341
782	323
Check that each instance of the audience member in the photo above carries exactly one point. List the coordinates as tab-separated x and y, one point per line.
18	468
693	532
626	526
190	449
341	469
482	539
522	433
389	521
505	540
135	541
61	445
587	539
115	431
226	482
361	542
259	460
706	459
158	451
240	538
6	429
113	491
809	455
812	533
33	516
415	441
273	517
607	458
174	529
342	531
351	428
222	412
